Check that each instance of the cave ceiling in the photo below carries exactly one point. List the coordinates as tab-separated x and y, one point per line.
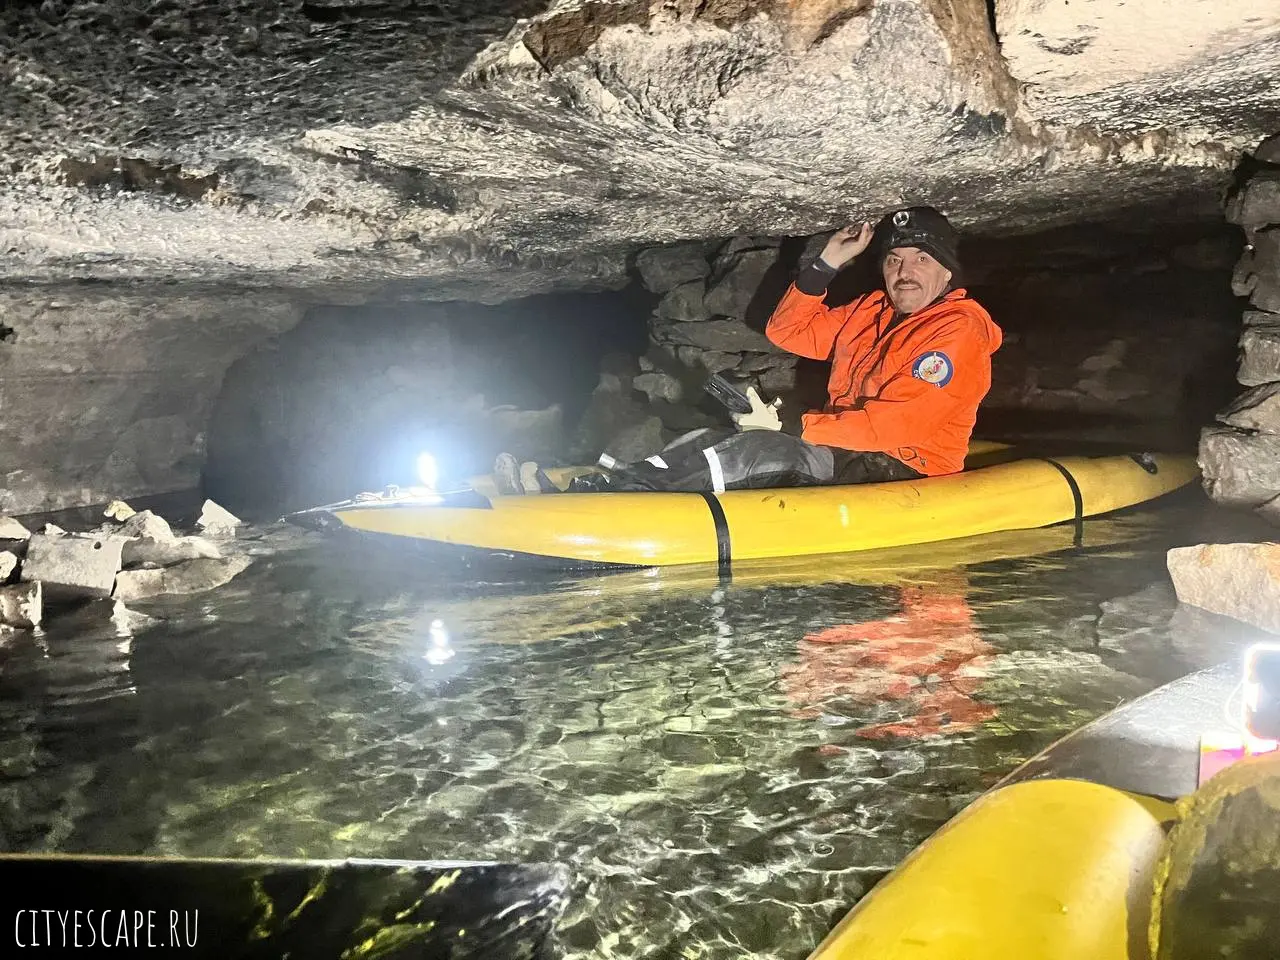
486	149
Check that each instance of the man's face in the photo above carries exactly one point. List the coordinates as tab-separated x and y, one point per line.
913	279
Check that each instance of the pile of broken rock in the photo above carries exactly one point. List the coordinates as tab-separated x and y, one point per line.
133	557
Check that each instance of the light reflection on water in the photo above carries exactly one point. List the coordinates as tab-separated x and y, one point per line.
728	766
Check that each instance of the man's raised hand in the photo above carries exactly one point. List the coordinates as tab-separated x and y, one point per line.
845	244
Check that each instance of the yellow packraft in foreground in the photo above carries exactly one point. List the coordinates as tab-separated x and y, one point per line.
1106	846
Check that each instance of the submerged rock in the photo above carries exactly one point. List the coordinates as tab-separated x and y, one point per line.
107	614
193	576
73	566
21	605
1238	580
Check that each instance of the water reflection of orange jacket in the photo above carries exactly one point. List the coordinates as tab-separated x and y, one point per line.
911	392
928	661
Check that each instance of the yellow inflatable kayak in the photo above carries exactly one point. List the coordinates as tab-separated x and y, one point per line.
996	492
1071	856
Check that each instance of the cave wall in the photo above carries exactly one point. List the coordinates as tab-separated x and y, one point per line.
107	393
1240	454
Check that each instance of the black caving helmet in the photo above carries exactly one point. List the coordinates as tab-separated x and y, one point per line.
924	228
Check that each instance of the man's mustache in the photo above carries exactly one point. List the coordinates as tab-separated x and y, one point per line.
905	283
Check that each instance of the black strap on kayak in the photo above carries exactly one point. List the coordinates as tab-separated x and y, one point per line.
724	554
1075	496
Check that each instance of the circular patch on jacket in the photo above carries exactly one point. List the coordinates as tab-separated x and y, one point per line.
901	218
935	368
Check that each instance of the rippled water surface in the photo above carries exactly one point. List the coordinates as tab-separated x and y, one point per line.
727	767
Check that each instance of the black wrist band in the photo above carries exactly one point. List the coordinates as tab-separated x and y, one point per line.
813	279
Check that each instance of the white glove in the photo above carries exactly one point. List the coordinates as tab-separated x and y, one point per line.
763	416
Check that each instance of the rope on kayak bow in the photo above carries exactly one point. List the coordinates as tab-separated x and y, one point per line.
1076	496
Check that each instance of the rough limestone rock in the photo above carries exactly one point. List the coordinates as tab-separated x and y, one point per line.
1257	409
659	386
1238	469
193	576
608	413
1259	355
1262	265
21	605
684	303
1218	873
727	336
167	552
116	387
8	563
778	380
1238	580
714	361
118	510
665	268
11	529
736	283
216	521
637	442
1266	293
73	566
754	363
1270	511
147	524
1243	276
1261	319
540	142
1269	150
1257	204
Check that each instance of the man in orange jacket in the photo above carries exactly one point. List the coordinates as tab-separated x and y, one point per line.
909	366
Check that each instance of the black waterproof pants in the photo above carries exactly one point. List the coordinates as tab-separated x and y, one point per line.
714	461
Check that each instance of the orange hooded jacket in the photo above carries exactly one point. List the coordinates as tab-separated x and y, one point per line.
911	392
